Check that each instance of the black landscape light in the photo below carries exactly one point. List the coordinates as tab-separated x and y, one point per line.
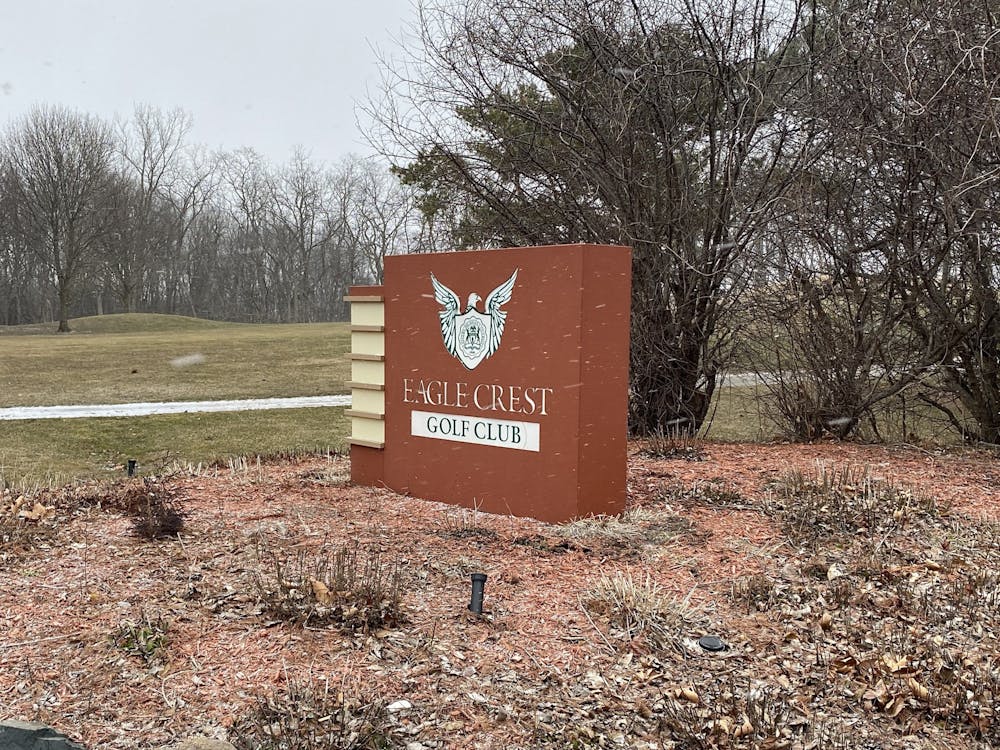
130	467
712	643
478	584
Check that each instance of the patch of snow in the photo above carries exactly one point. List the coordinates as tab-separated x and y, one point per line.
168	407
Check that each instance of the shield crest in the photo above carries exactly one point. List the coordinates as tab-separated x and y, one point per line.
472	333
472	336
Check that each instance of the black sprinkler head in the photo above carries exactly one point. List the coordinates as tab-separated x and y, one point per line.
478	584
712	643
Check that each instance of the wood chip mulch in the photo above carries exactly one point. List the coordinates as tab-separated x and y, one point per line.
541	668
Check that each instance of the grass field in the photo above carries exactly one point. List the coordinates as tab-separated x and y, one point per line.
125	358
56	451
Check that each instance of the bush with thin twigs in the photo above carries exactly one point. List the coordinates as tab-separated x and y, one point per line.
308	716
637	608
155	506
345	587
158	515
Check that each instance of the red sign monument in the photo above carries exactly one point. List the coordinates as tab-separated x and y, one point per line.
502	378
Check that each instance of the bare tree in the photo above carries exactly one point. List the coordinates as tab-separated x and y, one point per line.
672	127
302	223
21	292
151	151
60	163
382	217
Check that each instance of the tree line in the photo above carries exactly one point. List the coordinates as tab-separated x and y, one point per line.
129	216
810	187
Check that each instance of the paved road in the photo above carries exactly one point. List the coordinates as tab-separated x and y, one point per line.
167	407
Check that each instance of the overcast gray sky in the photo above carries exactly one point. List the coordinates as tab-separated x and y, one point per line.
267	74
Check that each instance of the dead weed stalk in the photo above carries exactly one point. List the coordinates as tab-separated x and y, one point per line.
343	586
845	501
311	716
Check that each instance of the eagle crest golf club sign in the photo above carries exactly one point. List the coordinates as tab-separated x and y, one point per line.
514	402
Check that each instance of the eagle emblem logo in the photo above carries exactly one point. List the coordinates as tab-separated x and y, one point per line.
472	336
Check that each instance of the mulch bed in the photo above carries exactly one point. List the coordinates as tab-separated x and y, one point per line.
545	666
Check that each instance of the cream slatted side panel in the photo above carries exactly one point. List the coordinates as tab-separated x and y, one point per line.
367	342
367	410
368	372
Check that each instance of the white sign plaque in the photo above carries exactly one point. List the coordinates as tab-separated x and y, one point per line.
501	433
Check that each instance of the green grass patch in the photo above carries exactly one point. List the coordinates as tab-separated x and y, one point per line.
127	358
741	414
737	414
55	451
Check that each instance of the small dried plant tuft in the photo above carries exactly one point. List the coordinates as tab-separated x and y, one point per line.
145	637
637	608
24	523
308	715
845	501
343	586
673	442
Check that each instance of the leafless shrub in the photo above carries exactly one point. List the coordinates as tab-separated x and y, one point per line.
343	587
152	501
827	343
311	716
156	512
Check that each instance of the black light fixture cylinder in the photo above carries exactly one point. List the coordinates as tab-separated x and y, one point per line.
478	584
130	467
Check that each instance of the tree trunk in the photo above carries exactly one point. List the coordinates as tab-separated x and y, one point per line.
63	310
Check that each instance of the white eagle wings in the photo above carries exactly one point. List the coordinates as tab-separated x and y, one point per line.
472	336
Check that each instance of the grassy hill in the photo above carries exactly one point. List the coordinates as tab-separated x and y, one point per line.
119	323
